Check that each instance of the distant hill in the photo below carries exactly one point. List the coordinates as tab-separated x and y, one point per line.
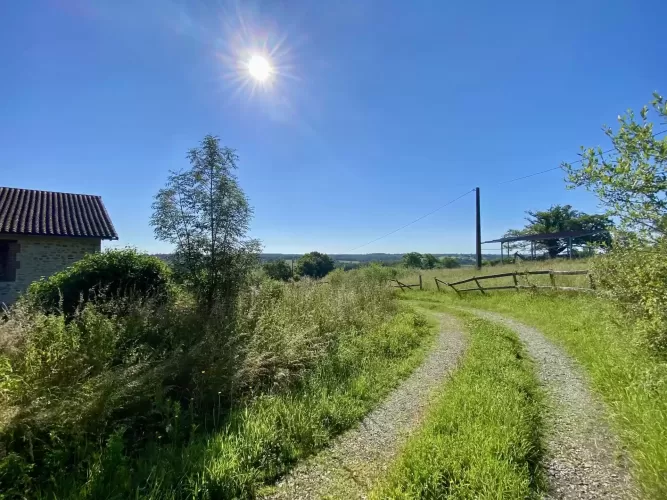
463	258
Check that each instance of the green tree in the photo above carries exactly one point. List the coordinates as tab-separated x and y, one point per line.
204	213
564	218
315	264
429	261
278	270
450	263
412	259
631	182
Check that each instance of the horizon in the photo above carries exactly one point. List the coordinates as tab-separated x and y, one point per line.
362	117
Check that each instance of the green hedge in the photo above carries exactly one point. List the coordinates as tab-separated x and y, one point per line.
109	274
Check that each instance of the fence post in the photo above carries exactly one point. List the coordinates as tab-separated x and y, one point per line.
516	282
420	282
590	277
553	279
437	285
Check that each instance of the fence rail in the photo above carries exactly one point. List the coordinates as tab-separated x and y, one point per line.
403	286
516	286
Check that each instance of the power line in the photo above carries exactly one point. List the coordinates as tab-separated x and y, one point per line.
500	183
416	220
570	163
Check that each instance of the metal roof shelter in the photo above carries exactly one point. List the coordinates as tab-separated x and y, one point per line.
543	236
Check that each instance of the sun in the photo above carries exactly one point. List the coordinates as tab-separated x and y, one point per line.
259	68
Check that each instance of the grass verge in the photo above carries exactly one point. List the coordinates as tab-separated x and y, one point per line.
631	380
482	437
262	439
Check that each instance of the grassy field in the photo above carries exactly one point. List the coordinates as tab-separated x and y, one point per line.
631	380
313	360
452	275
482	436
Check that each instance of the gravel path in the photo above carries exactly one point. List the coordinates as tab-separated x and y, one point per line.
349	468
584	459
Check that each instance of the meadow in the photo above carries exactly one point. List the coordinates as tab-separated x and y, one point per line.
128	398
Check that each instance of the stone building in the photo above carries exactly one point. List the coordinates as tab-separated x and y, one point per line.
43	232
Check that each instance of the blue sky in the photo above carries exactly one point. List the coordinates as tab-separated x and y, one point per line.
381	111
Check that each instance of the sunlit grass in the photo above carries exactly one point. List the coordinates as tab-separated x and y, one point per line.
264	438
482	437
631	380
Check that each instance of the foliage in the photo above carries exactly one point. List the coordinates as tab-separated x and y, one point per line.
450	263
631	182
429	261
108	405
482	437
278	270
205	214
103	276
564	218
315	265
413	259
636	277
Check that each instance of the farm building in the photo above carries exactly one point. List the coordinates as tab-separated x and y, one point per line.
43	232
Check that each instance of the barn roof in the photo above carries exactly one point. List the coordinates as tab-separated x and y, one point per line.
546	236
47	213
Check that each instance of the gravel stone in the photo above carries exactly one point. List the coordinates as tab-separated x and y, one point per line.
352	464
585	460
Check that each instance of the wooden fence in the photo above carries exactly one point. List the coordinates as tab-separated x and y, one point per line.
403	286
516	286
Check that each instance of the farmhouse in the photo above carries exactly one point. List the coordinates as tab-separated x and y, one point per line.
43	232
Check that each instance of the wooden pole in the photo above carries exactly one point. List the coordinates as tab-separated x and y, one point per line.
437	285
420	282
478	230
569	247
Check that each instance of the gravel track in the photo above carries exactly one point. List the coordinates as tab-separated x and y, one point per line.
353	463
584	459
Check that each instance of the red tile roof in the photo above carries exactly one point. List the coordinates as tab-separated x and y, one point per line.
26	211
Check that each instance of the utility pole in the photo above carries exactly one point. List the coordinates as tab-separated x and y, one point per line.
478	242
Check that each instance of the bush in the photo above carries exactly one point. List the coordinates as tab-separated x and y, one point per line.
113	273
635	274
450	263
278	270
315	265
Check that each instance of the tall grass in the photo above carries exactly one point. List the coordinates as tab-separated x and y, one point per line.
482	437
631	379
159	402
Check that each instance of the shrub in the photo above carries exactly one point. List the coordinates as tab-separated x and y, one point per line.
635	274
113	273
413	259
278	270
450	263
315	265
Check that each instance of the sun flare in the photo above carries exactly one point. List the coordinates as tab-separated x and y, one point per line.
259	68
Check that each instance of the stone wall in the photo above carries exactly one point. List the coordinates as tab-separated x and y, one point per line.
42	256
